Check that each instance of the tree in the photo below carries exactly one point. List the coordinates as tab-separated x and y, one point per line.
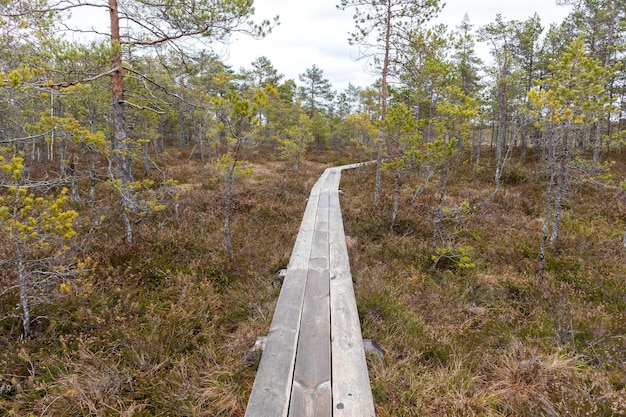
381	28
35	232
363	133
425	73
465	58
571	98
526	48
239	117
298	136
401	132
602	23
501	35
263	72
316	93
145	25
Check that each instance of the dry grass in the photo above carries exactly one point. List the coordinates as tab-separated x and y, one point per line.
494	340
170	319
168	324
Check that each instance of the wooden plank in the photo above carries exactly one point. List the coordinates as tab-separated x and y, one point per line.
271	392
306	348
311	391
352	393
272	385
302	247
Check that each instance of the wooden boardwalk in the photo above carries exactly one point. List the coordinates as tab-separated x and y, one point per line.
314	363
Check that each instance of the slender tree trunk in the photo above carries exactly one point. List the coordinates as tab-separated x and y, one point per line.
561	190
62	158
551	155
524	134
501	133
228	193
74	179
230	180
396	198
379	169
480	147
181	134
598	143
117	86
444	182
119	144
92	177
127	226
546	226
383	104
562	182
22	280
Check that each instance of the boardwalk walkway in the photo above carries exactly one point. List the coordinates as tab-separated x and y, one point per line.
313	363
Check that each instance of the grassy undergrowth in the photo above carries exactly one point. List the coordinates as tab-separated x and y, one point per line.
495	339
167	326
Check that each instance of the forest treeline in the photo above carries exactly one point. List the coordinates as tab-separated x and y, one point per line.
78	115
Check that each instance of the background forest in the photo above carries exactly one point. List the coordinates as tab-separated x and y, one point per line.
149	192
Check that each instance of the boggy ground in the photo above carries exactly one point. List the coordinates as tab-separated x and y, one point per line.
492	338
166	329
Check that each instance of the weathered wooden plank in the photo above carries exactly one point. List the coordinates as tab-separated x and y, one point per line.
311	391
307	348
352	394
272	385
302	247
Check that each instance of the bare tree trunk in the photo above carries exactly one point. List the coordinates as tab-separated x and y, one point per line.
74	179
181	137
228	193
396	198
22	280
127	226
230	179
480	147
524	134
444	182
383	103
546	225
379	169
119	145
559	195
598	143
62	158
92	177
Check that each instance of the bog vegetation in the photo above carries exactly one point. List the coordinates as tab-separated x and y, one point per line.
148	194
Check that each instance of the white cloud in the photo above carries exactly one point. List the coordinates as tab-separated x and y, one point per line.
316	32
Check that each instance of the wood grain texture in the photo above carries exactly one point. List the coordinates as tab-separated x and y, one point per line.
314	363
311	392
272	386
352	393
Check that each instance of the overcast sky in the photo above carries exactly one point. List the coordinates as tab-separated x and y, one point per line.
315	32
